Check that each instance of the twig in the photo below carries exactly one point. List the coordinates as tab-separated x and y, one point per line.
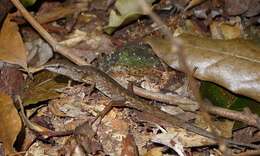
46	133
53	42
245	117
190	105
249	153
171	99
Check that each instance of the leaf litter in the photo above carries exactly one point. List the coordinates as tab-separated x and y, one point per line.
70	105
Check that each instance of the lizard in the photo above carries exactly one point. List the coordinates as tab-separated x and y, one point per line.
111	88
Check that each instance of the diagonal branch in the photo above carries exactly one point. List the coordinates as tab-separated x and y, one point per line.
65	51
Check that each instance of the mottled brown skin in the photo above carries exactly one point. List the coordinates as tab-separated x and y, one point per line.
112	89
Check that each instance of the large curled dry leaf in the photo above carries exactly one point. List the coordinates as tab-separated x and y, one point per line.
10	123
233	64
129	10
12	49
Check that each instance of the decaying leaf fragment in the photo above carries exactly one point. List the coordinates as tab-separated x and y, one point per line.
179	136
129	10
10	123
233	64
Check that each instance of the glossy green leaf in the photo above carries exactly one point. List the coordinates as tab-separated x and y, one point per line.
223	98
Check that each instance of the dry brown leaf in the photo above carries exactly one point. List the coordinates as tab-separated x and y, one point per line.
10	123
158	151
234	64
11	80
223	127
129	146
236	7
12	49
43	87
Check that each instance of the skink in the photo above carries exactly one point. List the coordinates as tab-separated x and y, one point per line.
108	86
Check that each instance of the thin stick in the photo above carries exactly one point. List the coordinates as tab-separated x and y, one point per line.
46	133
190	105
171	99
249	153
245	117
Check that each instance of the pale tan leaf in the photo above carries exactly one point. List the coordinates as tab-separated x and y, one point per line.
182	137
223	30
171	140
12	49
129	10
193	3
233	64
10	123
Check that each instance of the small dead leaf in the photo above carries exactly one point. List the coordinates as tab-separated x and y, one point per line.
253	9
129	147
171	140
11	81
193	3
248	135
5	6
12	49
85	136
155	152
225	127
236	7
43	87
222	127
223	30
10	123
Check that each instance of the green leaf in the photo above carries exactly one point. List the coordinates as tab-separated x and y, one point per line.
223	98
27	3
